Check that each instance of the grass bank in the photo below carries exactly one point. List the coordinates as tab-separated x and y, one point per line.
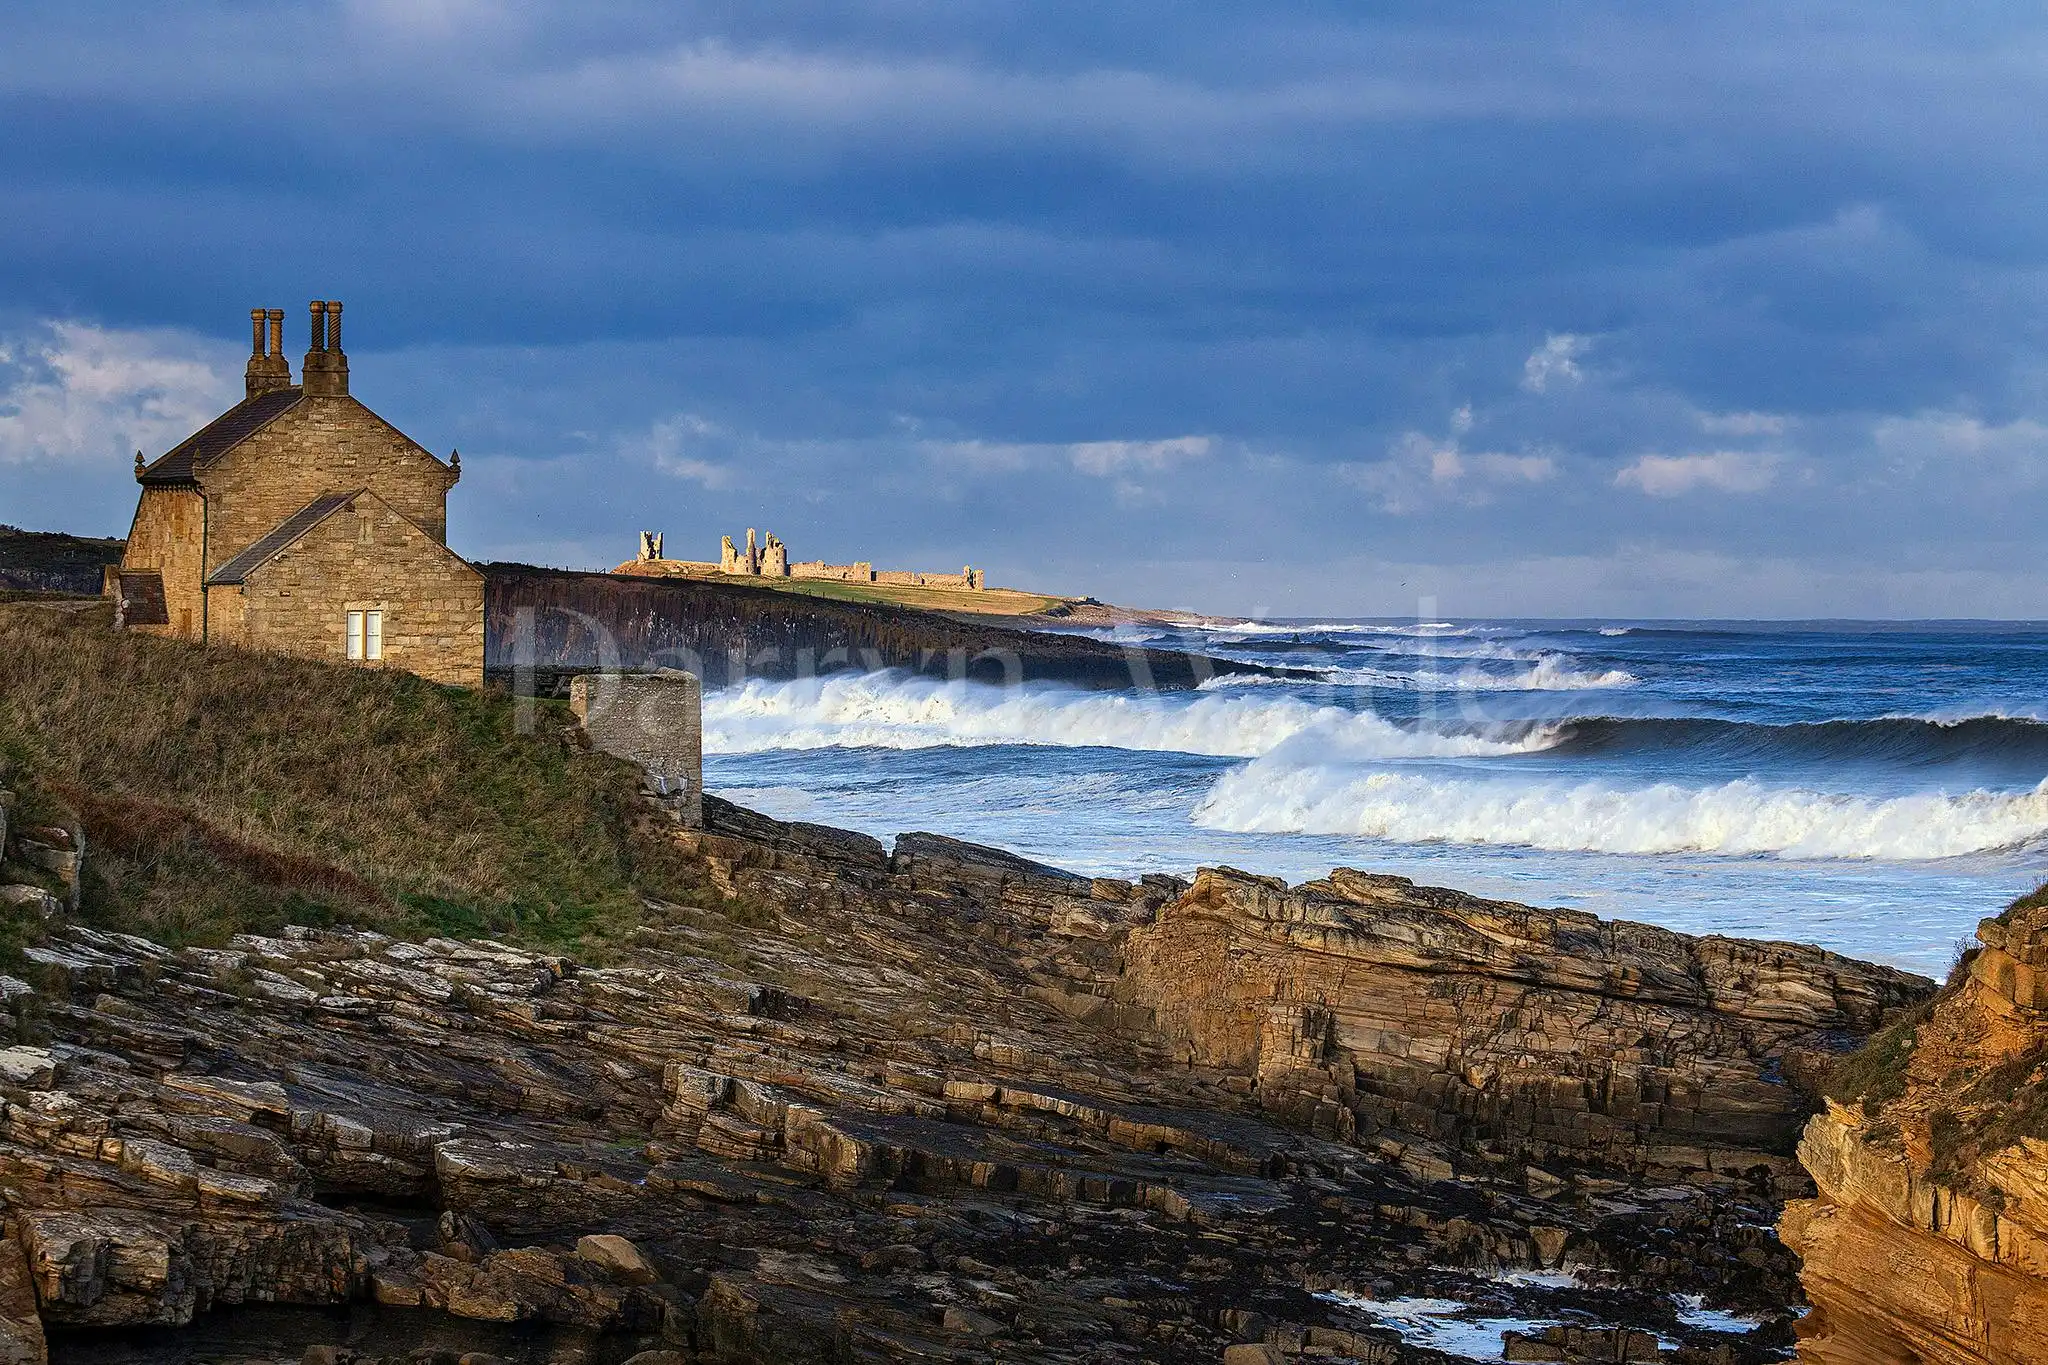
222	791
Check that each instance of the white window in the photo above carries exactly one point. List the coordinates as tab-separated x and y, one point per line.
366	635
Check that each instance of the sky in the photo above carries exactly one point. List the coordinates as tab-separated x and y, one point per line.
1311	309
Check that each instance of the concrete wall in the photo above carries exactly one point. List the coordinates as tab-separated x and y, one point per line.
653	719
324	445
368	558
169	525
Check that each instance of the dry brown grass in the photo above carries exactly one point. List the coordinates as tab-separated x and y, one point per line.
222	790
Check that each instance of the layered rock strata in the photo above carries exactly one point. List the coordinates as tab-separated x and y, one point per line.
1442	1029
1928	1242
935	1102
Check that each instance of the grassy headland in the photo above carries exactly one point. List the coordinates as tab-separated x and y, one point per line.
1003	602
222	791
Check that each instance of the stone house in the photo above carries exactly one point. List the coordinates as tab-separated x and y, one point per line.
302	522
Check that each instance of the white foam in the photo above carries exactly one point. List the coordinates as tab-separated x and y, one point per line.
1551	673
1284	794
1693	1312
1119	635
1540	1279
1430	629
1445	1325
898	711
1963	713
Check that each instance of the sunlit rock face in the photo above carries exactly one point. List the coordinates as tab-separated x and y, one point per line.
1928	1241
1447	1031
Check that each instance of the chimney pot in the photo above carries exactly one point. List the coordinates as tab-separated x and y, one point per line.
326	374
267	367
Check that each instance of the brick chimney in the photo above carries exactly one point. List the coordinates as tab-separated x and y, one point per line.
268	368
326	372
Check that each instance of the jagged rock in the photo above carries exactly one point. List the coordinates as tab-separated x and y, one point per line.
30	1067
1253	1353
21	1327
948	1104
1367	1005
1940	1179
618	1257
1582	1344
971	1323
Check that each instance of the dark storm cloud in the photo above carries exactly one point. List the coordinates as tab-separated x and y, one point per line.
1131	300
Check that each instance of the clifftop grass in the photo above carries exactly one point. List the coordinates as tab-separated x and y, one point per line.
223	791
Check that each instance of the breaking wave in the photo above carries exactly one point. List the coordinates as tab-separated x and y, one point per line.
1252	716
900	711
2005	743
1739	818
1550	673
1427	629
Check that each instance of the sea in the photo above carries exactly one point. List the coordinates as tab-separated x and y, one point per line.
1873	788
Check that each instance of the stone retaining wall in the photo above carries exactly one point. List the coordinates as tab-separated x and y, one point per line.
653	719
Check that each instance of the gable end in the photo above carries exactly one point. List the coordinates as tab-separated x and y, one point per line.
182	463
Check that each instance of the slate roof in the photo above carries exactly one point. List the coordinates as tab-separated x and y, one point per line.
222	434
287	532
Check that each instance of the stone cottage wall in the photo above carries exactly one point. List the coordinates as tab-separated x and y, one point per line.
166	535
323	445
366	559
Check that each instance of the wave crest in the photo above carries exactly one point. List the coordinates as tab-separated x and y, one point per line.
1550	673
1739	818
899	711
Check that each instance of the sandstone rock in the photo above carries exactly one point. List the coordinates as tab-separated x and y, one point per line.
618	1257
30	1067
21	1328
1365	1004
1928	1244
1253	1353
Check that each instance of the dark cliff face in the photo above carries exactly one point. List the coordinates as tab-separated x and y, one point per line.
50	561
726	633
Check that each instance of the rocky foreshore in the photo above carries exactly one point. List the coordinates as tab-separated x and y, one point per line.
928	1103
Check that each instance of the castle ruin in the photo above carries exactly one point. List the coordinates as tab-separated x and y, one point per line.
765	556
